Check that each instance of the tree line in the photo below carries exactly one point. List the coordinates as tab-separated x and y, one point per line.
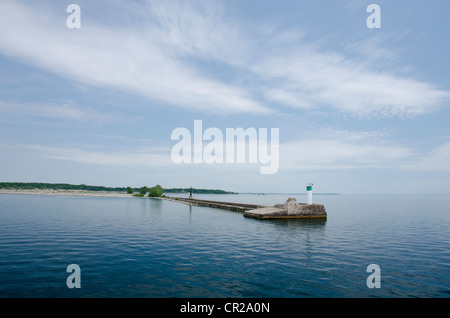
56	186
155	191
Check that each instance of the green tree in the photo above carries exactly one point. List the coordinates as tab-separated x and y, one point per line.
144	190
156	191
130	190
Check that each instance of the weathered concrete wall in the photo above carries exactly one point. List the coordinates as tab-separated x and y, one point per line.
291	209
295	208
266	213
307	210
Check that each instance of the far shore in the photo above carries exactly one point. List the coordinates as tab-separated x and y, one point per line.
83	193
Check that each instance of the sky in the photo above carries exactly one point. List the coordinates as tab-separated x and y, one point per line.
359	110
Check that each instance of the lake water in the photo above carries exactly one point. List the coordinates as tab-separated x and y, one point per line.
140	247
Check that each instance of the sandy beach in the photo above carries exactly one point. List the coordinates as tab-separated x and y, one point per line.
68	193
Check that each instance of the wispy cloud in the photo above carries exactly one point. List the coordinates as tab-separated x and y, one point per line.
437	160
125	59
199	58
328	150
343	149
150	157
65	110
330	80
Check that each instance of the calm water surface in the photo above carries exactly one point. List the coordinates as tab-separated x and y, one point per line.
140	247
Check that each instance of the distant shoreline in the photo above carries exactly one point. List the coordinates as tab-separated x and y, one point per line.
114	194
83	193
83	188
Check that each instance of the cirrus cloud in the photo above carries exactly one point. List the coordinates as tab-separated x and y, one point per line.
198	58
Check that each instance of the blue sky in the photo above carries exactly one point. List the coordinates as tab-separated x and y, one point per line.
358	110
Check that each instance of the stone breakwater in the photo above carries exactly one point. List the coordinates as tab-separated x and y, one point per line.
233	206
290	209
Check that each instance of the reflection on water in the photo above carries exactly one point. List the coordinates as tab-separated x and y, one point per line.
155	204
299	223
308	229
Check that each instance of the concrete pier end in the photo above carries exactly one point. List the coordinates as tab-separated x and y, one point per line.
289	210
